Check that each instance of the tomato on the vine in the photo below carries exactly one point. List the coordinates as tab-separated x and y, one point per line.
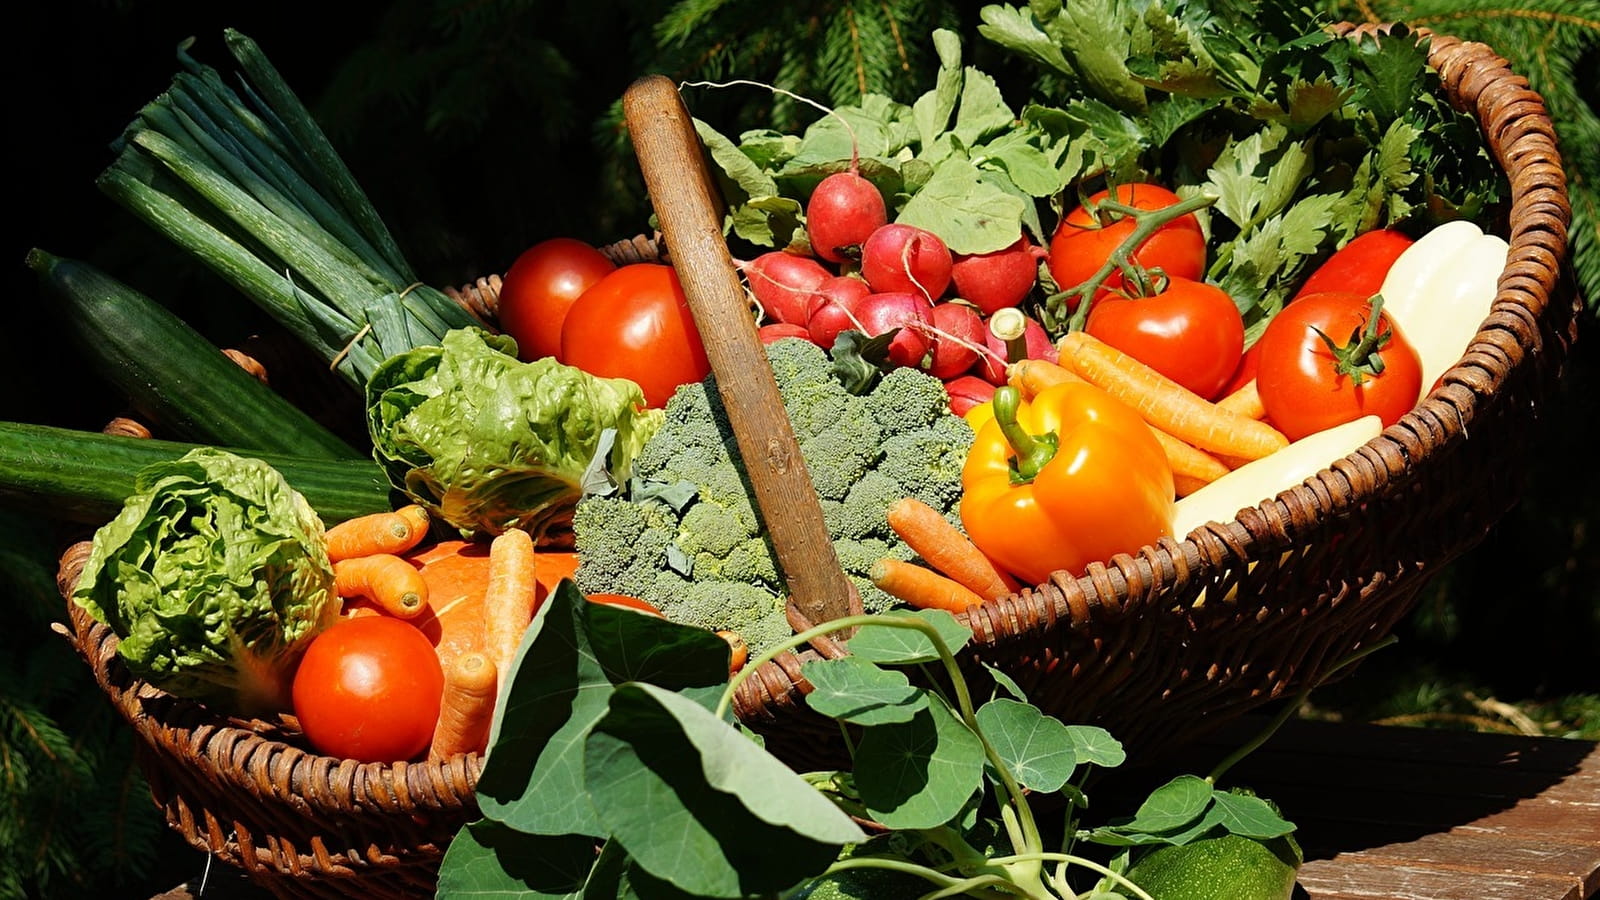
1082	243
1191	332
635	323
1333	357
368	688
539	289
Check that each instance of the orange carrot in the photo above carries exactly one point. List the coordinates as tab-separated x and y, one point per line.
739	650
1246	401
384	579
466	708
1191	466
931	536
392	532
921	587
1030	376
510	599
1166	404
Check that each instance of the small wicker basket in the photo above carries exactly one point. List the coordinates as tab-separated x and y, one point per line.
1290	587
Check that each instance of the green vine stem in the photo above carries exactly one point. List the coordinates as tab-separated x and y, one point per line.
1147	222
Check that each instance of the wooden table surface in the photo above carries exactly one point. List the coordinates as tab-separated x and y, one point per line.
1421	814
1389	813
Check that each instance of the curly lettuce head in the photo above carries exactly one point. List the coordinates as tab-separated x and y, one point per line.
486	442
214	577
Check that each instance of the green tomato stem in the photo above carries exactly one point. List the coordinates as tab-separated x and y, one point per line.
1147	222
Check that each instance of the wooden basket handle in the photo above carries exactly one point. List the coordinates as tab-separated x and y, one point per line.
687	207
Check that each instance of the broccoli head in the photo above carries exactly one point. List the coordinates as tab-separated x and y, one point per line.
705	558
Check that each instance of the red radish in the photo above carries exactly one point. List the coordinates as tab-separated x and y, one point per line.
843	210
992	365
785	284
967	391
835	309
777	331
957	339
992	281
912	315
906	259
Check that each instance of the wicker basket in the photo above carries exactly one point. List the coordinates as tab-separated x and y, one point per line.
1290	587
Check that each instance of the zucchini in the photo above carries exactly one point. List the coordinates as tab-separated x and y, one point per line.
173	374
85	476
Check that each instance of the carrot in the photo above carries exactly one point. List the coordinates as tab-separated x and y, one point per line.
511	597
921	587
1030	376
1191	466
392	532
466	708
740	651
385	579
927	532
1166	404
1246	401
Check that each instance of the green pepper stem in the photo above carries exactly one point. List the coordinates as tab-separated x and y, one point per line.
1032	451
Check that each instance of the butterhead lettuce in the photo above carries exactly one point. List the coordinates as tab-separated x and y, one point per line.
486	442
214	577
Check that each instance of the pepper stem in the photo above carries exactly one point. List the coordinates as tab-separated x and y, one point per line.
1031	451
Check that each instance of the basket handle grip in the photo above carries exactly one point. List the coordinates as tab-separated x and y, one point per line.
687	208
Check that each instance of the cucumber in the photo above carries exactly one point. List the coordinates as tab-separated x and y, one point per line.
172	373
84	476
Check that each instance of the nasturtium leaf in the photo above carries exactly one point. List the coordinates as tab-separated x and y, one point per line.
487	859
1094	745
1175	804
571	656
968	213
697	805
894	645
1250	816
1005	682
1034	746
854	690
919	774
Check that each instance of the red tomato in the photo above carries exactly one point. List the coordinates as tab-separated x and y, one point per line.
635	323
368	689
540	288
1191	332
1245	372
1359	266
1081	245
1307	386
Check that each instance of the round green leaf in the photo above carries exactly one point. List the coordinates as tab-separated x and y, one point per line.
919	774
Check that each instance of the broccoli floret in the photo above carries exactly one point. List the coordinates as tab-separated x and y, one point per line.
927	462
906	399
709	562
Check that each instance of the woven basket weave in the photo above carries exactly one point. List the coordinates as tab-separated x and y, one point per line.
1289	588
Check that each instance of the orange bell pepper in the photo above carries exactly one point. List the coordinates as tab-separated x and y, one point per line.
1071	477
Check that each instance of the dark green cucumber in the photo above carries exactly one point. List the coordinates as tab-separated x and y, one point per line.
84	476
172	373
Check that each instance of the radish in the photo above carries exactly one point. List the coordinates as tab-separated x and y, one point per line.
995	280
843	211
967	391
908	312
906	259
1039	346
957	339
835	309
777	331
785	284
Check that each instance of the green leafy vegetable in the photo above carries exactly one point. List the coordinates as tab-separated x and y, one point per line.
214	577
486	442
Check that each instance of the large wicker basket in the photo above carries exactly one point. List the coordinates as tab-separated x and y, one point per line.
1290	587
